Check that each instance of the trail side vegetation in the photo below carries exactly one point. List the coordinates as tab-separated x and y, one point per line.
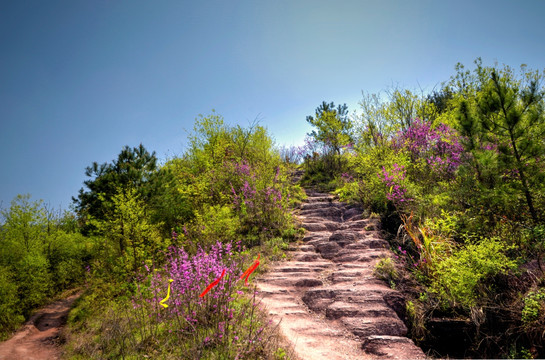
42	253
458	178
141	230
456	175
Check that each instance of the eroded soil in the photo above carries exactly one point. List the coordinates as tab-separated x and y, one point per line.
38	339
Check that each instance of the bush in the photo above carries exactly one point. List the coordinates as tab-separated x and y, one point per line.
459	280
386	270
34	281
534	308
10	313
225	323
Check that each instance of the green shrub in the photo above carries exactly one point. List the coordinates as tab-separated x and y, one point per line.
10	312
459	280
386	270
534	307
34	282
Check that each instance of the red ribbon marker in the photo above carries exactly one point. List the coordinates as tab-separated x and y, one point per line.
214	283
250	270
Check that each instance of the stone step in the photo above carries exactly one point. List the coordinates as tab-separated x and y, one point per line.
314	227
328	213
392	347
339	309
308	256
306	248
368	326
318	205
324	225
350	255
331	274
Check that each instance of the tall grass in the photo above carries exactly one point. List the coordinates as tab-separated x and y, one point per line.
226	323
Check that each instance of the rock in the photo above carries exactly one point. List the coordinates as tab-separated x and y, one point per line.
353	225
328	249
308	283
318	300
375	243
359	245
341	309
315	205
364	327
307	248
314	227
293	269
392	347
343	238
332	274
351	214
344	256
396	301
308	257
329	213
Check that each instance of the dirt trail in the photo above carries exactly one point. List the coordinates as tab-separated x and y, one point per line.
328	303
38	338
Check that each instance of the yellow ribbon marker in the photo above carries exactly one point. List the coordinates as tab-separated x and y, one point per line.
168	295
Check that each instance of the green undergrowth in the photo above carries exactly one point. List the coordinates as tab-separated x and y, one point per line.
457	177
114	319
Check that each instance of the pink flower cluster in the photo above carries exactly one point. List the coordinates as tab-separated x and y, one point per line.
393	179
440	147
214	314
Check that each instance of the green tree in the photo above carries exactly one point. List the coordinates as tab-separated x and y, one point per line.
134	168
515	115
501	115
129	231
333	127
22	229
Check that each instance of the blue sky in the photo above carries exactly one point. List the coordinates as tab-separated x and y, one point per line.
81	79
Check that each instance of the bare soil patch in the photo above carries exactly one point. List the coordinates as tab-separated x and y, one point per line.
39	339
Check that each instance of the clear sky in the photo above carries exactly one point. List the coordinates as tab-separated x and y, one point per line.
81	79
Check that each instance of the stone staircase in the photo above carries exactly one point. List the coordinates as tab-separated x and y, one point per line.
326	299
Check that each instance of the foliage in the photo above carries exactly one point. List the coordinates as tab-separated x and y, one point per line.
460	279
328	145
10	316
130	239
533	311
236	185
431	248
39	257
506	114
457	177
134	168
230	186
225	323
332	126
386	270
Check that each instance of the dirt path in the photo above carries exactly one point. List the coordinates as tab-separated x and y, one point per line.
328	303
38	338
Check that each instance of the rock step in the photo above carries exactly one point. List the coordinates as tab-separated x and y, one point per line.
308	256
327	300
339	309
298	282
306	248
328	214
318	205
392	347
349	255
369	326
315	338
315	226
318	199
